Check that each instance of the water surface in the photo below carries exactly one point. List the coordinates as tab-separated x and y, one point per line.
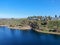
20	37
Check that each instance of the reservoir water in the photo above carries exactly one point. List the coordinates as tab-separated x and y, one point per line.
30	37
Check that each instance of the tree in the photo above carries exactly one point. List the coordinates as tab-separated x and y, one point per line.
34	25
49	18
55	16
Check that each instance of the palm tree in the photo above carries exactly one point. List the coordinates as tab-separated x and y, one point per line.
55	16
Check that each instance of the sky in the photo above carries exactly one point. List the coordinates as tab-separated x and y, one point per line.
25	8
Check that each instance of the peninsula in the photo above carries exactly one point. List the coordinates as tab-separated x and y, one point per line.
44	24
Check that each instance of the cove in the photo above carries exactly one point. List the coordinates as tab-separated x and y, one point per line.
29	37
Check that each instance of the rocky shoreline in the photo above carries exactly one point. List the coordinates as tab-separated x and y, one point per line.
28	28
19	28
47	32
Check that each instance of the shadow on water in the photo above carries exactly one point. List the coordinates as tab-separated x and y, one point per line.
33	31
38	33
12	31
55	36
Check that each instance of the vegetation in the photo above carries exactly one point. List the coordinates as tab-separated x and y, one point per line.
46	23
41	23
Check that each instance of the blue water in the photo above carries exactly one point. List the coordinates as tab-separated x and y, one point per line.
19	37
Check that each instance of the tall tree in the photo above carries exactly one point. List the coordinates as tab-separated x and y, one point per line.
55	16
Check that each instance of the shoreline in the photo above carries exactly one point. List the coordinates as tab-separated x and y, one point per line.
4	25
22	28
28	28
47	32
16	27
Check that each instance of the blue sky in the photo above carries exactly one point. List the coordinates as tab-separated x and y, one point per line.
25	8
